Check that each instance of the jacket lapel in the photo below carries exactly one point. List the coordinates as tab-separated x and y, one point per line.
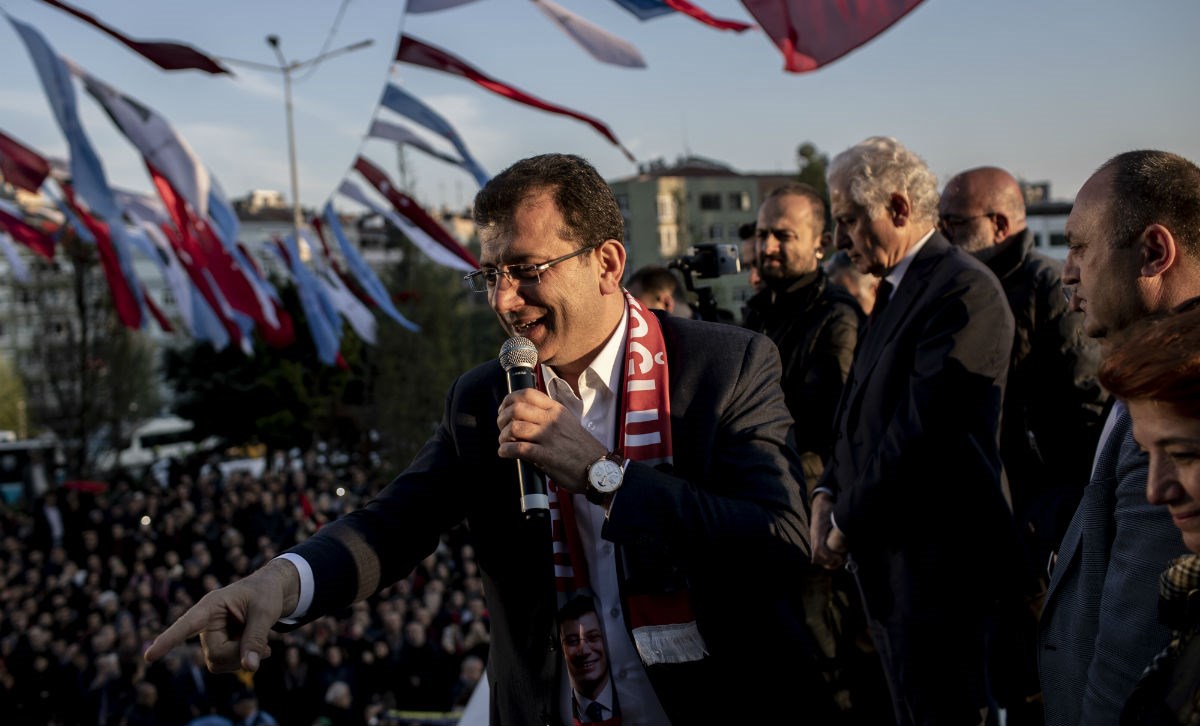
887	326
1097	496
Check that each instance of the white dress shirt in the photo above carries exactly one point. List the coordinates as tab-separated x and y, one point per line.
597	407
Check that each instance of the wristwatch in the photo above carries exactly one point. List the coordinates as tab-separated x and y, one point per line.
604	477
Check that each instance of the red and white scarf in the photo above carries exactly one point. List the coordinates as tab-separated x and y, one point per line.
663	623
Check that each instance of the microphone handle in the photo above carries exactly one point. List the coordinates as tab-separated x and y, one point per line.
535	502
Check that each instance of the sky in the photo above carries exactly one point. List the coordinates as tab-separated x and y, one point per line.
1048	89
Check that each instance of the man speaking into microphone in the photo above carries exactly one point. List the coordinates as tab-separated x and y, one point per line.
674	493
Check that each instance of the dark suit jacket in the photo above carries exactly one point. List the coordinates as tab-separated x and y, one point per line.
730	518
916	468
1099	625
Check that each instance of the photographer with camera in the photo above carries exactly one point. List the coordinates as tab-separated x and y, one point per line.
815	325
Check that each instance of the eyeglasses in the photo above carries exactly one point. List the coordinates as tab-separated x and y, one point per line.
947	223
524	275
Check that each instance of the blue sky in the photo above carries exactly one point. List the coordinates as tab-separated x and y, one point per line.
1048	89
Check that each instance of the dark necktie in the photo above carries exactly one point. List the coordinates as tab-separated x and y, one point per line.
595	712
883	293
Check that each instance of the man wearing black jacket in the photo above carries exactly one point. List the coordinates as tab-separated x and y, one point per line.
1053	403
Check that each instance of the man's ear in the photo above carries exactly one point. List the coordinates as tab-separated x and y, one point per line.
899	209
1003	228
1159	250
610	256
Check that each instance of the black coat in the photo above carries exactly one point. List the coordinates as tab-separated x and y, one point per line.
730	517
815	324
1053	403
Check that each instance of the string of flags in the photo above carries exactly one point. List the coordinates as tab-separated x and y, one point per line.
191	234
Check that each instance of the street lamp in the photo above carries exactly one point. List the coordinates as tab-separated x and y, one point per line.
286	69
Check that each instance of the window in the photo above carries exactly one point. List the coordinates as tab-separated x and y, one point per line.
623	203
1058	239
710	202
668	243
666	208
739	201
716	231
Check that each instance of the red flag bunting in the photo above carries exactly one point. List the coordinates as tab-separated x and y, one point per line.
204	251
166	55
412	211
28	235
21	166
126	304
422	54
163	322
812	34
691	10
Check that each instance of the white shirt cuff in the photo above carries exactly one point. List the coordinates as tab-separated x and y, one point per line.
307	586
826	490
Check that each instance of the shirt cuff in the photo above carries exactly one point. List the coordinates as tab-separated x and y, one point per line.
307	587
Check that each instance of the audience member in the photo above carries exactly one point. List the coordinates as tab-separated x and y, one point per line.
723	496
1053	403
815	325
97	610
1133	240
1155	370
1053	406
911	497
658	288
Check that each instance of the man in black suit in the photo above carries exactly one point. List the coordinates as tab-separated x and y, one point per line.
689	541
911	498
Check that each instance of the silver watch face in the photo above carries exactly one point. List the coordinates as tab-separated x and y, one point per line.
605	476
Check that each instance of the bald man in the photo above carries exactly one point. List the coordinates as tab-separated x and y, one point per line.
1053	404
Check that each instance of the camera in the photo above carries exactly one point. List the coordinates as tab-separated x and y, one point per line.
707	261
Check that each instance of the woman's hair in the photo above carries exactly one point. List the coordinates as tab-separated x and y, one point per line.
1159	360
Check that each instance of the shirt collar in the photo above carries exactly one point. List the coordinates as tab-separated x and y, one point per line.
897	273
606	365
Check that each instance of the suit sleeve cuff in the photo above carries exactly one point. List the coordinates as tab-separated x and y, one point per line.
307	587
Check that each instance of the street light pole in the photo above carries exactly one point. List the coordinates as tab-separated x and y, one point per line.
286	69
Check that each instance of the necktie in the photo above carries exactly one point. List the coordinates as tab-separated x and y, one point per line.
595	712
883	293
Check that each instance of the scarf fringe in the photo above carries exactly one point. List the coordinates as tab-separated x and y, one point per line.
669	643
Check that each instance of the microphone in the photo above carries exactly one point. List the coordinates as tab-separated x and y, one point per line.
518	356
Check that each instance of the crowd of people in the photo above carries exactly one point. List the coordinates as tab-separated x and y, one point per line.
87	578
902	472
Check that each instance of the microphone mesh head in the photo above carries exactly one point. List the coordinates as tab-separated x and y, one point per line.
518	352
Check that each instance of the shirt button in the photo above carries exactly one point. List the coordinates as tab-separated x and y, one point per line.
615	612
607	549
623	674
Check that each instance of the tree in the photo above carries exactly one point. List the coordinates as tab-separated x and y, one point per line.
12	400
279	397
412	371
91	378
812	165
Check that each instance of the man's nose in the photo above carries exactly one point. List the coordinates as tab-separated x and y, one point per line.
1070	273
506	295
843	240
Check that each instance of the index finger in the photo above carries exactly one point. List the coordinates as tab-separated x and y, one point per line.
188	625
